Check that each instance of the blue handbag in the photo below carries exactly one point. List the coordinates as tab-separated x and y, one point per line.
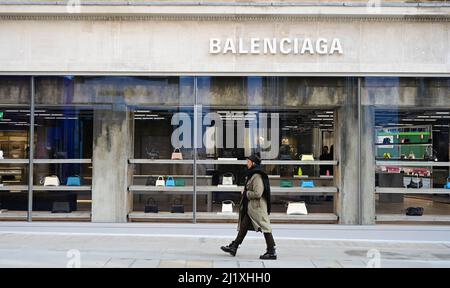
74	181
170	182
447	186
307	184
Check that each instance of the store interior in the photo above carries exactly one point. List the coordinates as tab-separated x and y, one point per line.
412	136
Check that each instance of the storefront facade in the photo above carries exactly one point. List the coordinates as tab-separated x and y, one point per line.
108	93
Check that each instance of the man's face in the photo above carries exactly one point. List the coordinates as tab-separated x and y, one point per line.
325	150
249	164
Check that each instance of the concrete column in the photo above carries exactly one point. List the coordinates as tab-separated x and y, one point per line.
112	148
346	151
368	165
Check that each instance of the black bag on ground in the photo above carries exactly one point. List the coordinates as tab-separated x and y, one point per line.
151	206
61	207
414	211
177	207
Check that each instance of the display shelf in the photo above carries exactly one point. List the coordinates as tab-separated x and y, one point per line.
206	189
160	161
14	188
404	144
14	161
405	218
230	162
268	162
412	163
62	188
214	216
388	190
62	161
46	216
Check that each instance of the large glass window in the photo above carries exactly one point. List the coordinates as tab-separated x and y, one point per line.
411	147
162	184
14	146
245	115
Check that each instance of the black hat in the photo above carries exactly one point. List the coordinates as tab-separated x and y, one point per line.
255	158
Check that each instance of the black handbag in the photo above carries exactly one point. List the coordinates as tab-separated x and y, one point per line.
151	206
414	211
386	140
177	207
152	153
415	184
285	152
151	181
61	207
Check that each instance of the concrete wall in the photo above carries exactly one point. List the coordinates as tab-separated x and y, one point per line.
177	45
112	149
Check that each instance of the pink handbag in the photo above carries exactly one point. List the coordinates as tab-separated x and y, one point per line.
177	155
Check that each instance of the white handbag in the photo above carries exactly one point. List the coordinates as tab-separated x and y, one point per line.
227	206
227	179
50	181
160	182
177	155
307	157
297	208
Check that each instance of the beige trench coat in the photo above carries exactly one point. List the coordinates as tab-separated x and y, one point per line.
257	205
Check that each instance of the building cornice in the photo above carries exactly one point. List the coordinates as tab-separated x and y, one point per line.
224	13
231	18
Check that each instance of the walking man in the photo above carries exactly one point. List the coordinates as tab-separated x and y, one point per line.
254	209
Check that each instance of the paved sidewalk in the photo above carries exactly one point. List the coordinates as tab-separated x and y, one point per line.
188	245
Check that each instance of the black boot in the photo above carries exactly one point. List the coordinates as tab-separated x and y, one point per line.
269	255
232	248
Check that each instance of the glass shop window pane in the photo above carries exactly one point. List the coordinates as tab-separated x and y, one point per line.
412	145
63	133
244	115
162	184
15	95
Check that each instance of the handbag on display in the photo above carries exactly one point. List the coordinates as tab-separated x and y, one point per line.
160	182
152	153
387	140
430	155
61	207
227	206
1	154
50	181
414	211
286	183
307	184
307	157
300	172
151	181
415	183
285	152
411	156
180	182
177	208
151	206
393	169
297	208
74	181
447	185
176	154
170	182
228	179
387	155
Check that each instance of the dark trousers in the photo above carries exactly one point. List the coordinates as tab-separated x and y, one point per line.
245	225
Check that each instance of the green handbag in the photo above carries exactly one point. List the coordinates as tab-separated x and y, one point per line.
180	182
286	183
